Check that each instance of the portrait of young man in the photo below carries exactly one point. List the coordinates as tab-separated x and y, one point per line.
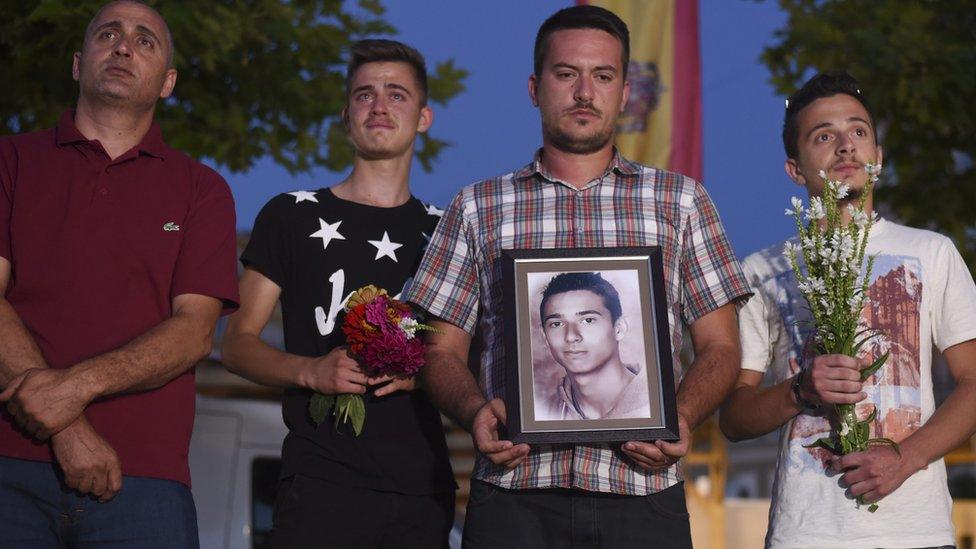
117	256
583	324
392	485
572	195
921	297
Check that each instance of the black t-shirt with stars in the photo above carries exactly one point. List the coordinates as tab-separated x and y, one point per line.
319	248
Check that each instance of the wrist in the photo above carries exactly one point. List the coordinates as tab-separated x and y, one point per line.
72	429
911	457
469	411
86	382
305	374
799	394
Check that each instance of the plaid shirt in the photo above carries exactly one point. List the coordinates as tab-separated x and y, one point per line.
629	205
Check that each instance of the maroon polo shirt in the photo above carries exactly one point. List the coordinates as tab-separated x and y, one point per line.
99	249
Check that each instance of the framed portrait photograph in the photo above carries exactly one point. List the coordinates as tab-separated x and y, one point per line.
588	348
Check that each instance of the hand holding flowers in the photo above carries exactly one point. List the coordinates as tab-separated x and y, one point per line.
833	253
383	345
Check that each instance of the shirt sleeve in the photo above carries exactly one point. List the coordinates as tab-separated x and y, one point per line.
755	329
8	167
446	284
207	262
268	249
954	299
710	274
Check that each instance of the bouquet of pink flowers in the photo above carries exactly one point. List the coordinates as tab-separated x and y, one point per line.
383	335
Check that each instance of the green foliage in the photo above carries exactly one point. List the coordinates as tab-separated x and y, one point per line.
345	409
915	61
319	407
257	78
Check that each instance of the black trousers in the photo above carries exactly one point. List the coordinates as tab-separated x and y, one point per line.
315	513
574	519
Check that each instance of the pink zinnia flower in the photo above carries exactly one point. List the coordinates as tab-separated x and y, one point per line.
392	352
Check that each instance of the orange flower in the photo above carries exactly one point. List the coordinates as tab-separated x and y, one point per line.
364	295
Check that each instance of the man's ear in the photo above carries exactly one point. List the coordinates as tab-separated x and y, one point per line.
626	96
794	173
426	119
76	66
169	82
345	118
533	88
620	328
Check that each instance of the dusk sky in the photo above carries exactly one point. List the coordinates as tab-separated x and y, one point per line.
494	128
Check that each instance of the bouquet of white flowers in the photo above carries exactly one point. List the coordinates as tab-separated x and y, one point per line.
836	291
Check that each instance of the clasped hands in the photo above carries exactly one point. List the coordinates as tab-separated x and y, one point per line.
48	403
485	429
339	373
44	400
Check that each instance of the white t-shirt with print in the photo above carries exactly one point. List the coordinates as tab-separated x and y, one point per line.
921	294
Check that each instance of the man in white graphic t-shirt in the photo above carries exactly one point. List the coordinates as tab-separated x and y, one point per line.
920	295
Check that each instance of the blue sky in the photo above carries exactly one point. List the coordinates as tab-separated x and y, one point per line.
494	128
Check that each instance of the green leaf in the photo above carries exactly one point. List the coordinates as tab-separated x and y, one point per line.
824	443
859	344
871	416
872	508
319	406
357	414
350	409
863	432
870	370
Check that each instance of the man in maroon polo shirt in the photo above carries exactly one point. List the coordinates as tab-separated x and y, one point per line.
117	255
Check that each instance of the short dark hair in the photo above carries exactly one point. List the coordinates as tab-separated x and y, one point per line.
581	17
375	50
591	282
825	84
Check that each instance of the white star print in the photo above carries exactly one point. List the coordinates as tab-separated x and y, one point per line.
302	196
327	232
434	210
385	247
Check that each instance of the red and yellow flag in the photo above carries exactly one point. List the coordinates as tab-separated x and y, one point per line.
662	123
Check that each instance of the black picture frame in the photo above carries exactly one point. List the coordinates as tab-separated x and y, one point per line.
530	401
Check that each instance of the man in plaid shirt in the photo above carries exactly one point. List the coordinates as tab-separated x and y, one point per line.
577	193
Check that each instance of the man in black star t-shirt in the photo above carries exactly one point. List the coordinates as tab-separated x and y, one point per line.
392	486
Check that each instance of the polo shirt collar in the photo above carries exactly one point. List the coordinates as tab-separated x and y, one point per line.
618	164
67	134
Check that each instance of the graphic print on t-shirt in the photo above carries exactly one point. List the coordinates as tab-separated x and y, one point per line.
893	308
318	249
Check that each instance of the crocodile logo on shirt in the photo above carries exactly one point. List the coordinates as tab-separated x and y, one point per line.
171	226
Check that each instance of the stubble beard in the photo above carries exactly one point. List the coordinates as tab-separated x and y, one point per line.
574	144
